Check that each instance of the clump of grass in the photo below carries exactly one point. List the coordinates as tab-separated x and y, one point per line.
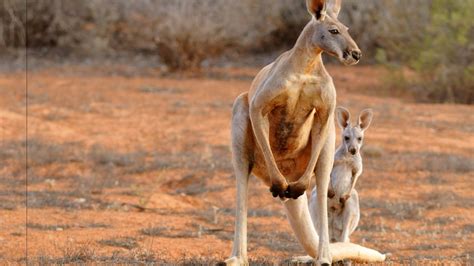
371	151
264	213
8	205
446	198
48	227
81	254
154	231
399	210
84	255
17	234
63	199
449	163
441	56
468	228
42	153
151	89
425	161
435	179
102	156
94	225
122	242
163	231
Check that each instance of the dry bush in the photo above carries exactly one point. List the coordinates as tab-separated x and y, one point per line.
12	23
188	32
192	31
384	28
80	25
184	24
121	242
438	49
183	33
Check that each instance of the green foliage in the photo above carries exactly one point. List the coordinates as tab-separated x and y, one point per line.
445	57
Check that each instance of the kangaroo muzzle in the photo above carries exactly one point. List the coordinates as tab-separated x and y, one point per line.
356	54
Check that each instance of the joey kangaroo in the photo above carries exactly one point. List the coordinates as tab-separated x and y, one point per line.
282	133
343	214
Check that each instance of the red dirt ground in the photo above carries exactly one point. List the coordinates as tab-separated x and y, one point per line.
136	168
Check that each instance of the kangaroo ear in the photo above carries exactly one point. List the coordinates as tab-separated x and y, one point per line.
317	8
365	118
333	7
343	117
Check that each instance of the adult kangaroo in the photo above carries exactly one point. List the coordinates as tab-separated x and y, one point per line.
283	133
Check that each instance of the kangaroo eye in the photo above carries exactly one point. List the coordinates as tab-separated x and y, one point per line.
359	139
334	31
346	138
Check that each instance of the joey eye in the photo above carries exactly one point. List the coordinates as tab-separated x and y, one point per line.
359	139
346	138
334	31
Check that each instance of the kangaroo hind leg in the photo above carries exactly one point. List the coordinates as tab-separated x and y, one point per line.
241	161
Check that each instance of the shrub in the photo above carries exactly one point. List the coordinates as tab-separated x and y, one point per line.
189	32
12	23
384	28
184	33
441	55
445	57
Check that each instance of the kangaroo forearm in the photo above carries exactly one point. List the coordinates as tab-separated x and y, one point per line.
355	177
318	138
262	138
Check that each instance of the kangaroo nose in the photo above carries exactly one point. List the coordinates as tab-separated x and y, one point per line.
356	54
353	151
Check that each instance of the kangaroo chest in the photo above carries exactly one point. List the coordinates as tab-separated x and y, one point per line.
341	178
292	118
343	172
290	130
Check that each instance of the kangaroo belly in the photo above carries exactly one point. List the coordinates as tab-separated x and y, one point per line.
335	226
292	168
290	141
289	133
341	177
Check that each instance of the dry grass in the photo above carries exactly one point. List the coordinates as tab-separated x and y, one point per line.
70	255
163	231
85	255
61	227
420	161
159	90
371	151
48	227
77	187
121	242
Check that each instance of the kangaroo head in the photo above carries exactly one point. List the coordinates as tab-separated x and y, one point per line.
329	34
353	136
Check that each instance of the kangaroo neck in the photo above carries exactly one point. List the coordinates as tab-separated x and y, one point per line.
305	58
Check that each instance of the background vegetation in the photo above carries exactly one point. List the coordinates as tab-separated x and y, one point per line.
431	40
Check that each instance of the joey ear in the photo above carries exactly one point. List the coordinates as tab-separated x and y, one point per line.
343	117
317	8
365	118
333	7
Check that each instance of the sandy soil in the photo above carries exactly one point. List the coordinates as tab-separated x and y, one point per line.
130	168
